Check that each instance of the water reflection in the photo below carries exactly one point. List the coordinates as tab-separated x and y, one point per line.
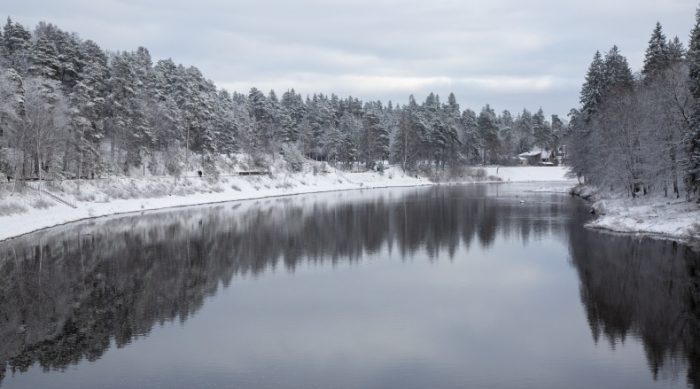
644	289
68	294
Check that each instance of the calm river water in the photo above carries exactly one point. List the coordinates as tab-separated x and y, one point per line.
439	287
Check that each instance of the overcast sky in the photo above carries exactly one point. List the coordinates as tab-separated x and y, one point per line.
509	53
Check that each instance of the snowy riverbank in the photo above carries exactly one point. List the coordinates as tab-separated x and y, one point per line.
656	216
126	195
32	211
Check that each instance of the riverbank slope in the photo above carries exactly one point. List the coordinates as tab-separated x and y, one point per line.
47	205
658	216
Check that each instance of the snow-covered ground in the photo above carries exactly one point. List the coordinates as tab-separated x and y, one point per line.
531	174
123	195
647	215
33	211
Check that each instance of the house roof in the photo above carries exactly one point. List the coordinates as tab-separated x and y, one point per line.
535	152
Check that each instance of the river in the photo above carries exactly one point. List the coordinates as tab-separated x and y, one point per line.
484	286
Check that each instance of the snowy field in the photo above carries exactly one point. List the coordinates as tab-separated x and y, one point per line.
531	174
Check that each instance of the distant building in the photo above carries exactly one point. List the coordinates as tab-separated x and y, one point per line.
538	156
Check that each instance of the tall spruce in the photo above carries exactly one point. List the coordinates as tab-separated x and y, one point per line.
676	51
617	72
657	54
542	130
593	87
16	46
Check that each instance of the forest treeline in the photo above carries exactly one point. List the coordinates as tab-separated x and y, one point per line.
70	109
640	133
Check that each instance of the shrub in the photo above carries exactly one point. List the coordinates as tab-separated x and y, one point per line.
380	168
293	158
11	208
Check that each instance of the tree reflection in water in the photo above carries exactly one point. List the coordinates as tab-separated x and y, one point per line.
645	289
66	294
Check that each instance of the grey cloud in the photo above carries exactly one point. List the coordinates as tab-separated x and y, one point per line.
508	53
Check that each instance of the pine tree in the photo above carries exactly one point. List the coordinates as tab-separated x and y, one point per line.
16	46
676	51
131	132
435	136
45	59
488	132
59	51
408	144
168	121
198	114
524	127
593	87
617	72
224	124
452	129
349	128
376	138
559	131
542	131
506	132
471	142
89	111
657	55
294	112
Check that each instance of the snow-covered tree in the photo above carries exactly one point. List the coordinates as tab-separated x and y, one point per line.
616	70
594	86
542	130
488	132
375	138
657	56
472	143
16	46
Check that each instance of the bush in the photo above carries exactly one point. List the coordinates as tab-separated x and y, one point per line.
457	171
293	158
380	167
10	208
173	165
41	203
259	161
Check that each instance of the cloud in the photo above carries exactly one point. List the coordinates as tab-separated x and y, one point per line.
503	52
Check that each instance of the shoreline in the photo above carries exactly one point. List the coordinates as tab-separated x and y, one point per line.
241	189
174	207
686	240
653	217
237	189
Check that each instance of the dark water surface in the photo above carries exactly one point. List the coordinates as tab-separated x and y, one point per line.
445	287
